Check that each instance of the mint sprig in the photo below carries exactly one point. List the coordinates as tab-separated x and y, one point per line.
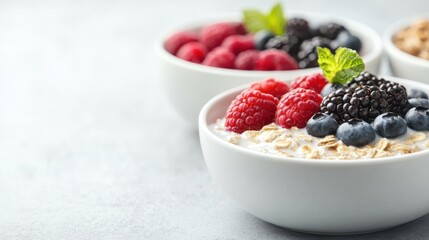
341	68
275	21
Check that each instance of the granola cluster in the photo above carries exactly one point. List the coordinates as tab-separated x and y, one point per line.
414	39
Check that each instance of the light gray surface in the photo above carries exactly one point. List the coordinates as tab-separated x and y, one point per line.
89	146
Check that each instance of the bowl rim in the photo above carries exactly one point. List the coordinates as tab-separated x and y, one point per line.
203	126
394	50
372	55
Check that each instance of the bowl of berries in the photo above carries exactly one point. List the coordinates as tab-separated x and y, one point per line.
351	161
200	59
407	48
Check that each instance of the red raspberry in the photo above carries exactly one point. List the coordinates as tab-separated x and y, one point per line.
247	60
251	110
314	82
175	41
274	59
297	107
220	57
213	35
271	86
240	29
238	43
193	52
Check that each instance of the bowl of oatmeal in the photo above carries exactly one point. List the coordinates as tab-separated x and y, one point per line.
317	185
407	48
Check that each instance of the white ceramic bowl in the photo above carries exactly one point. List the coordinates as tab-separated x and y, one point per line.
317	196
189	85
402	64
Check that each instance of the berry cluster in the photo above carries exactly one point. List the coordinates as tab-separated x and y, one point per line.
301	41
368	106
227	45
273	101
356	107
356	113
264	43
366	97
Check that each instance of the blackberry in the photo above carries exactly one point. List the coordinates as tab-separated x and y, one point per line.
307	55
366	78
298	27
330	30
362	102
397	97
287	43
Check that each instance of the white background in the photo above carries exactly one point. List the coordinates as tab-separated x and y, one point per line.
89	146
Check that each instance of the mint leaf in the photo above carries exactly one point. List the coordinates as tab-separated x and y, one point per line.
341	68
326	62
274	21
254	20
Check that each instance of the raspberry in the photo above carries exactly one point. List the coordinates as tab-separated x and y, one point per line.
213	35
297	107
274	59
177	40
314	82
220	57
193	52
271	86
247	60
238	43
251	110
240	29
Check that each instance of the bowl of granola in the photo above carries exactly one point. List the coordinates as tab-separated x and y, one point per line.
407	48
289	158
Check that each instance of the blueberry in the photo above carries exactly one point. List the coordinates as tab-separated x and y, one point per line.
390	125
416	93
321	125
345	39
418	118
415	102
261	38
356	132
329	88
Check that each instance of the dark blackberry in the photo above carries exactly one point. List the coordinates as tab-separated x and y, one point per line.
298	27
366	78
307	55
362	102
397	97
330	30
287	43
